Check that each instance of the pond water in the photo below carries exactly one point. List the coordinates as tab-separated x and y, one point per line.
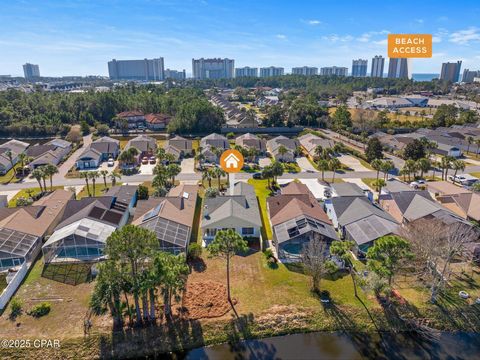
336	345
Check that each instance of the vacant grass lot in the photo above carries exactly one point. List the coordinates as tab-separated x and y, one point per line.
100	189
392	116
263	193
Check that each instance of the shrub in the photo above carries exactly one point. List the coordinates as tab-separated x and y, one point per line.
194	251
142	192
40	309
23	201
15	307
230	135
211	192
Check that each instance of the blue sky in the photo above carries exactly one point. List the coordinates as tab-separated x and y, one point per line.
74	37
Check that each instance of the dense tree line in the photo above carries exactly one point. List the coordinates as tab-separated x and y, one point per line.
50	113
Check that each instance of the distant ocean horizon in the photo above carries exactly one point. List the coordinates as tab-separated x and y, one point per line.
425	77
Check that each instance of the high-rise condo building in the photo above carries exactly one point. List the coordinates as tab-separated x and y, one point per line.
334	70
271	71
305	70
31	71
213	68
451	71
398	68
175	74
246	72
359	68
142	70
378	64
468	75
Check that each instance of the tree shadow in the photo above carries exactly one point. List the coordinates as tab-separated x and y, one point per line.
198	265
153	340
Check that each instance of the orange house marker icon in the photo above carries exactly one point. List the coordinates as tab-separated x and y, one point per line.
231	161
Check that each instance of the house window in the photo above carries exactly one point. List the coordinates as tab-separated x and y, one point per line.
210	232
248	231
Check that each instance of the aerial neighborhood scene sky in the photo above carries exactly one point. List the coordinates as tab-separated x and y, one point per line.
70	37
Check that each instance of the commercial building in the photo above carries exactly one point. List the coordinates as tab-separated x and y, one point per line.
246	72
175	74
334	70
398	68
359	68
31	71
305	70
271	71
378	64
469	76
213	68
142	70
451	71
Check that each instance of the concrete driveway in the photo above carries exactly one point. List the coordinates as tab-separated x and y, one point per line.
264	161
305	165
188	166
352	163
147	169
70	162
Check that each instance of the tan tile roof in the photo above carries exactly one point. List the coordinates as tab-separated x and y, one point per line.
445	188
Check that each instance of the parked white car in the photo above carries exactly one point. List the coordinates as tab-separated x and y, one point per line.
418	183
110	162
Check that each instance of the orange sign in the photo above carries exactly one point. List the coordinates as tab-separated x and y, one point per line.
410	45
231	161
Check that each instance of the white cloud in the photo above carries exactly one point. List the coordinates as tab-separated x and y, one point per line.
464	37
338	38
281	36
314	22
436	39
419	21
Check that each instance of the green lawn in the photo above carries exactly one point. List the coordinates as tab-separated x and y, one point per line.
10	177
24	193
369	182
363	162
263	193
99	189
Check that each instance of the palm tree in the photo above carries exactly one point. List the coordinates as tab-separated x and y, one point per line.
37	175
323	166
470	141
9	155
387	166
104	174
172	171
207	175
85	175
218	172
445	164
226	244
380	183
94	176
282	150
457	165
267	174
342	250
44	177
22	157
318	151
424	165
435	164
334	164
477	142
113	177
410	167
377	165
161	154
50	170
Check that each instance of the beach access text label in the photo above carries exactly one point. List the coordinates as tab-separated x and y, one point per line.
409	45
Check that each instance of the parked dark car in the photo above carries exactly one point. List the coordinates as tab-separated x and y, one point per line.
257	175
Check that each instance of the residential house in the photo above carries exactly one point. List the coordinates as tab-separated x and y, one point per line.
22	229
211	144
297	218
146	146
309	143
461	201
275	146
16	147
50	153
350	189
359	220
86	225
100	150
238	210
170	218
179	147
135	118
157	121
250	141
